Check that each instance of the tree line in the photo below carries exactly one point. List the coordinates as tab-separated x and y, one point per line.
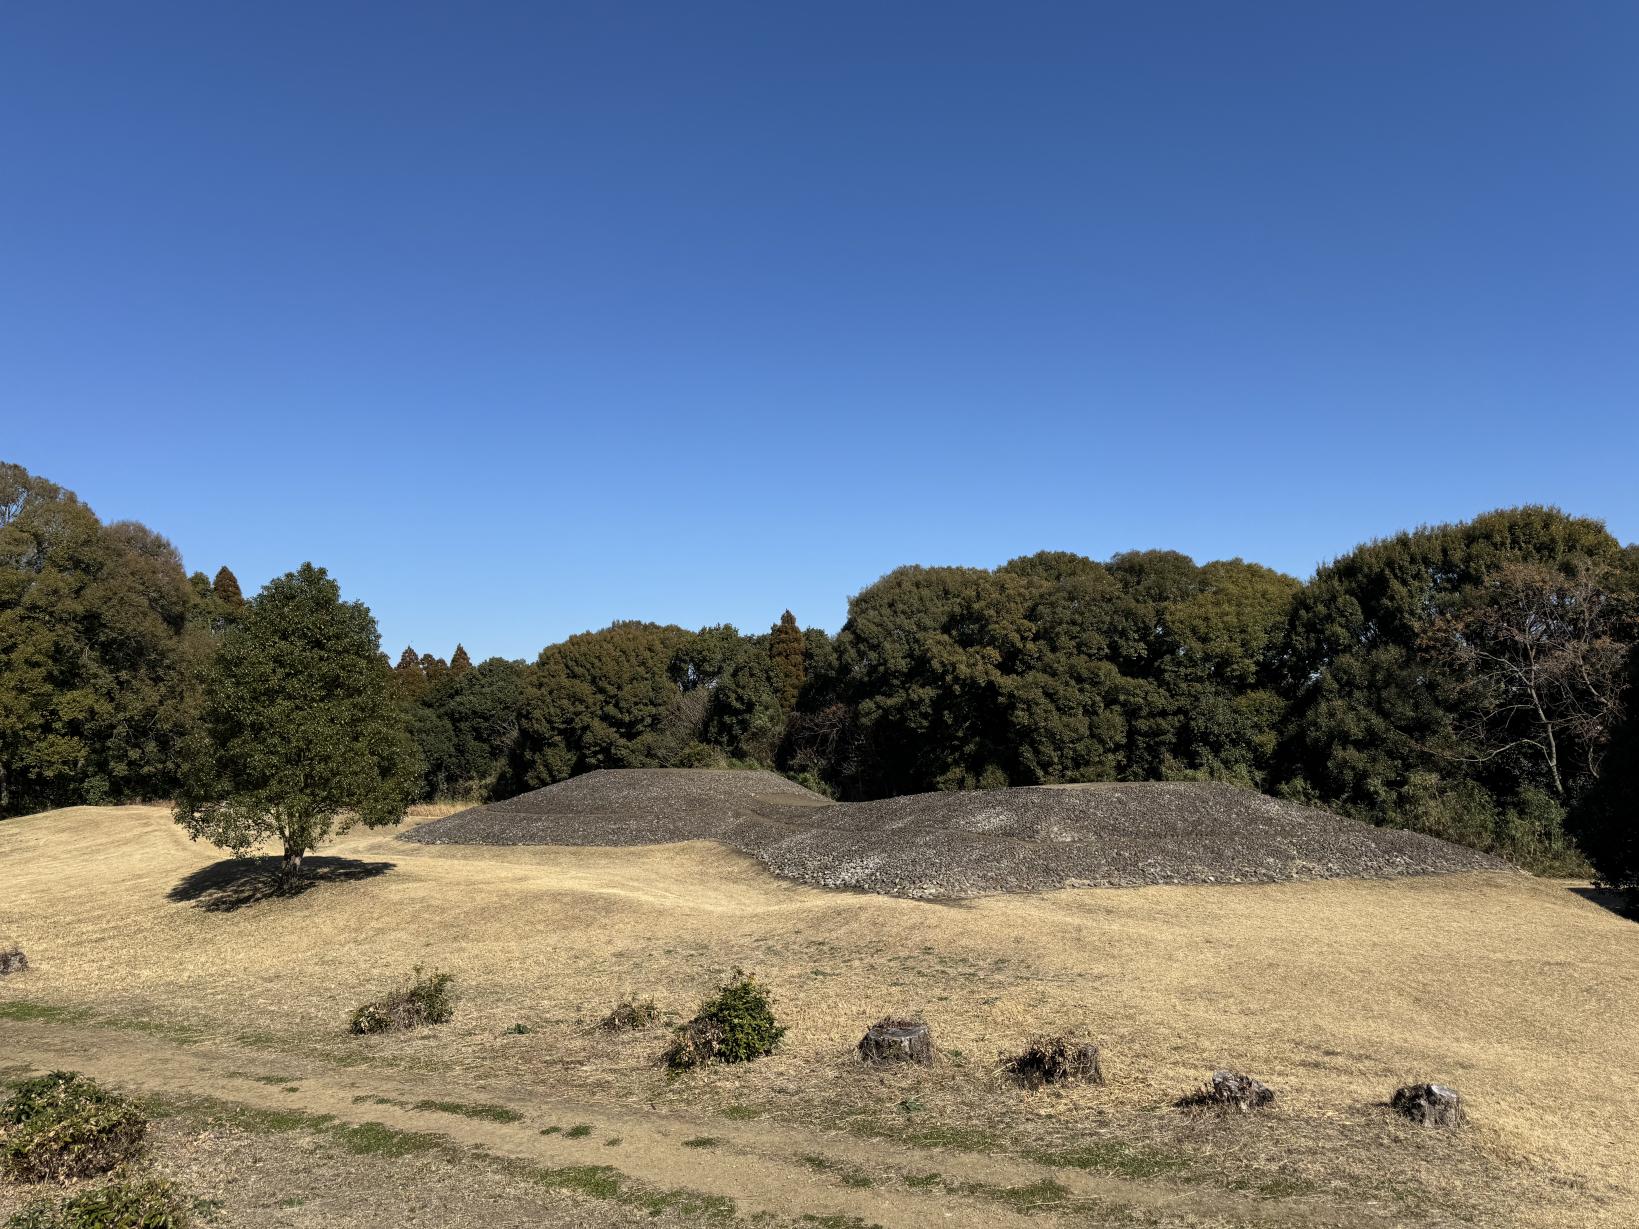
1472	681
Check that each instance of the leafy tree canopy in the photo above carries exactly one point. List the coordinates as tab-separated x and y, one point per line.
298	733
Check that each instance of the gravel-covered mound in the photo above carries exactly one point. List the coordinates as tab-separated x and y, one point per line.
629	806
965	844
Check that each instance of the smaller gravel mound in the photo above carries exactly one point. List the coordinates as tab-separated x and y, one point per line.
951	845
633	806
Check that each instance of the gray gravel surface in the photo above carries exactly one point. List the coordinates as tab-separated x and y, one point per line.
949	845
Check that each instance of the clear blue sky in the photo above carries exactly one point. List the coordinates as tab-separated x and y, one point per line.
525	317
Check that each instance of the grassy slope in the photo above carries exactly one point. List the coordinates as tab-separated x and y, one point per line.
1517	991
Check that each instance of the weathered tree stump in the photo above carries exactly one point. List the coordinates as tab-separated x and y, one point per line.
893	1040
1231	1090
1433	1105
1056	1060
12	960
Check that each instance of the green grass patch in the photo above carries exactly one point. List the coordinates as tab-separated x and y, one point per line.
1111	1156
848	1175
961	1139
703	1141
236	1114
472	1109
379	1139
22	1010
608	1183
1034	1197
579	1131
688	1204
594	1181
741	1113
182	1034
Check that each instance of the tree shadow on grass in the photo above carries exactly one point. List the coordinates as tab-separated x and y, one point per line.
1619	902
234	883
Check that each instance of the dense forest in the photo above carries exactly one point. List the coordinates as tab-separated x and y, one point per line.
1466	680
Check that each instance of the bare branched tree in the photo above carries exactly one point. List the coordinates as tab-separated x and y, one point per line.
1542	657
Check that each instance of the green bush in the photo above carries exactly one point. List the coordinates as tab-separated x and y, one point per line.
428	999
64	1125
136	1203
735	1025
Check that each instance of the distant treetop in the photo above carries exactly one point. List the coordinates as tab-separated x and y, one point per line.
226	588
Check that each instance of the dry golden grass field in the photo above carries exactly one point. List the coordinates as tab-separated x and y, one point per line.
1522	993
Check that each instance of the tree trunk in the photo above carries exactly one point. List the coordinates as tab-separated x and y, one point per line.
291	868
892	1040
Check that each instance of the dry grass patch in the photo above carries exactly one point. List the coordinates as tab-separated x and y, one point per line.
1501	985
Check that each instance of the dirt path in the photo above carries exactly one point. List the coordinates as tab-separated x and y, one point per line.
764	1167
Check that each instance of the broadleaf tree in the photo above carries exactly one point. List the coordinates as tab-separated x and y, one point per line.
299	735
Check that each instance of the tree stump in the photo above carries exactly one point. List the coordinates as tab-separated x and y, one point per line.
1231	1090
12	960
1055	1060
1433	1105
892	1040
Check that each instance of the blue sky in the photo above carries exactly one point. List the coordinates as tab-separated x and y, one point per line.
525	317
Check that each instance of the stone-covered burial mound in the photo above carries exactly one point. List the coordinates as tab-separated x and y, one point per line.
946	845
631	806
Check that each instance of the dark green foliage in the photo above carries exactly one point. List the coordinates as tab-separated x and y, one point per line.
226	589
1606	825
299	733
435	670
466	729
1055	668
408	675
64	1125
428	998
101	632
1390	668
789	652
130	1203
1473	681
735	1025
602	700
638	695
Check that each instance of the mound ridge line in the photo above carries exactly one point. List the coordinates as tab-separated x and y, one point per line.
973	843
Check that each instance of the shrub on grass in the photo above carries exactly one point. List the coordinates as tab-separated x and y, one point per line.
735	1025
428	999
12	960
135	1203
1055	1060
63	1125
630	1014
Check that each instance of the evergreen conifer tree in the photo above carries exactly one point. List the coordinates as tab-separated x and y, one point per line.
226	588
785	646
412	683
434	669
460	663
